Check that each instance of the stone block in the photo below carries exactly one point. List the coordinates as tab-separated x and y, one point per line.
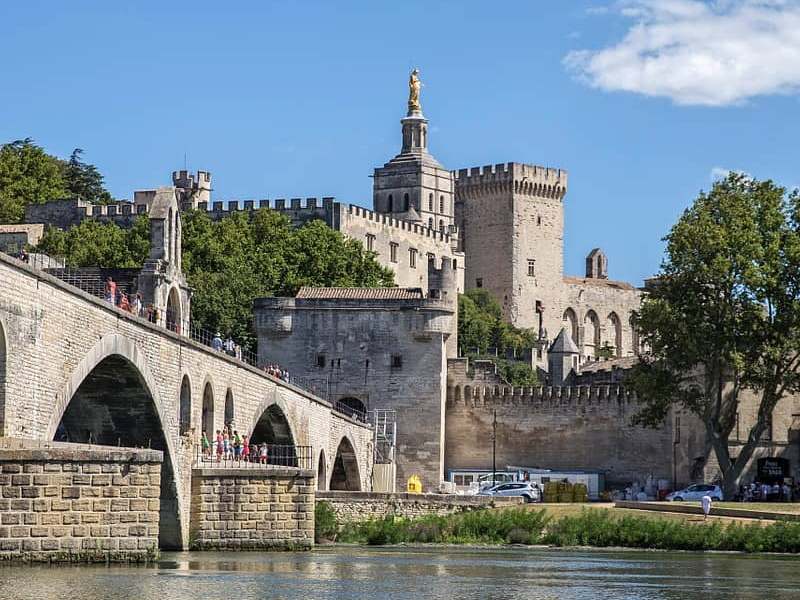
60	531
32	468
41	480
31	492
20	504
19	531
71	518
49	544
80	531
70	492
101	480
90	518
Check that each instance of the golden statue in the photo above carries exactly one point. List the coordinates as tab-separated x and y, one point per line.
414	86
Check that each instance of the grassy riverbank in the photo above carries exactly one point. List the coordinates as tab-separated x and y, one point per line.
601	528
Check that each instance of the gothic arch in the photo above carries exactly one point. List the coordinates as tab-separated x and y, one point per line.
352	406
207	409
591	334
614	332
322	472
229	408
570	324
112	357
345	475
271	422
174	314
185	407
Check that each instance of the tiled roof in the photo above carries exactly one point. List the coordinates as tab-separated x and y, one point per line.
606	365
340	293
620	285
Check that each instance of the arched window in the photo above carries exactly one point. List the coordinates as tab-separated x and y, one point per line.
591	334
391	202
405	202
441	225
168	244
570	324
430	222
441	204
352	407
613	333
185	408
430	202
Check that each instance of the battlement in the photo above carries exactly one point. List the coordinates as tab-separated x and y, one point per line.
417	228
612	398
519	178
312	205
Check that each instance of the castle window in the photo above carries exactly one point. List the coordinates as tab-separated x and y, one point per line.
405	202
431	258
538	220
441	226
370	241
454	264
393	251
412	258
531	267
430	202
321	361
397	361
441	204
391	202
479	282
430	223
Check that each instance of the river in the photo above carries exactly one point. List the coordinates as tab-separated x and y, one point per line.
375	573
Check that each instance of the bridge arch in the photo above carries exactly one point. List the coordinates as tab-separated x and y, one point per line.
174	314
229	408
272	425
111	398
322	472
185	407
207	410
3	375
345	475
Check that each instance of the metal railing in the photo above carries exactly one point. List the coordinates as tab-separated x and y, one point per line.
259	456
350	411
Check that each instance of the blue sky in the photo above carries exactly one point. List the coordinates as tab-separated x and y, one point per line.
642	101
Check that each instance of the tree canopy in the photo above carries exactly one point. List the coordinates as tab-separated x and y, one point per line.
229	263
481	327
723	320
29	175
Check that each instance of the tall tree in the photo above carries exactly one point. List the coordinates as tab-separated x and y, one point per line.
28	175
723	320
84	180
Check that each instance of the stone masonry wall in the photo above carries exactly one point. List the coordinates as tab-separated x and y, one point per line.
69	502
355	507
252	509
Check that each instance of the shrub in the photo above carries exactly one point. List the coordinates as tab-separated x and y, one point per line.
325	525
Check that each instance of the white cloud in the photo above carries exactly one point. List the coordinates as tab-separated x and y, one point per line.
720	173
699	52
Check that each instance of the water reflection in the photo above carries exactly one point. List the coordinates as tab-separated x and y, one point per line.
361	573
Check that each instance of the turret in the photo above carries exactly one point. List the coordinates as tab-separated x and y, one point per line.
192	190
562	358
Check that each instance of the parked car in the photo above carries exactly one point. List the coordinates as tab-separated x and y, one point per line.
529	491
696	492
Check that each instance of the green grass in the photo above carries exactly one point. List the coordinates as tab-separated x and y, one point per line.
601	528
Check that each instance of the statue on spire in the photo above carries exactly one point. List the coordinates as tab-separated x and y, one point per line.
414	86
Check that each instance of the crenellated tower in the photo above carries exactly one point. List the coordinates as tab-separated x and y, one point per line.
413	186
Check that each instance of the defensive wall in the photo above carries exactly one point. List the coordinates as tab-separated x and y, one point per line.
356	507
70	362
78	503
571	428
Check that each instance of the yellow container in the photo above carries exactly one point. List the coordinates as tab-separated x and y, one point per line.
414	485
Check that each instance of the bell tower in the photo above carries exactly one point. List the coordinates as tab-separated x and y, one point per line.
413	186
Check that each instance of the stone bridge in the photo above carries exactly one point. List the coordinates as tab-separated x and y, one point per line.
76	368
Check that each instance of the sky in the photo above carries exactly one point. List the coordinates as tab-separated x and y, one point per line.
643	102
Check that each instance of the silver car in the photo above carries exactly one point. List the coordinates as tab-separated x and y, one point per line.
529	491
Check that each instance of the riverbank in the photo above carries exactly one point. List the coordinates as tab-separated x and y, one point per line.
574	526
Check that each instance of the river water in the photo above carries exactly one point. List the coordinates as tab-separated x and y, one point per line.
460	574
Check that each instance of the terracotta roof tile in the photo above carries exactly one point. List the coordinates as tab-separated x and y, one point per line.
340	293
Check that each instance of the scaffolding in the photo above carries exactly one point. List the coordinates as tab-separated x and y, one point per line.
384	436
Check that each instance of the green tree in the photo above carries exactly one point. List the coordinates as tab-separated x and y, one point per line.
724	318
481	326
84	180
96	244
28	175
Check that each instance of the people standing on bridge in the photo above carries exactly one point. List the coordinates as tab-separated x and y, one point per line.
262	453
216	342
206	445
237	446
136	306
245	449
111	290
218	441
229	346
123	302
